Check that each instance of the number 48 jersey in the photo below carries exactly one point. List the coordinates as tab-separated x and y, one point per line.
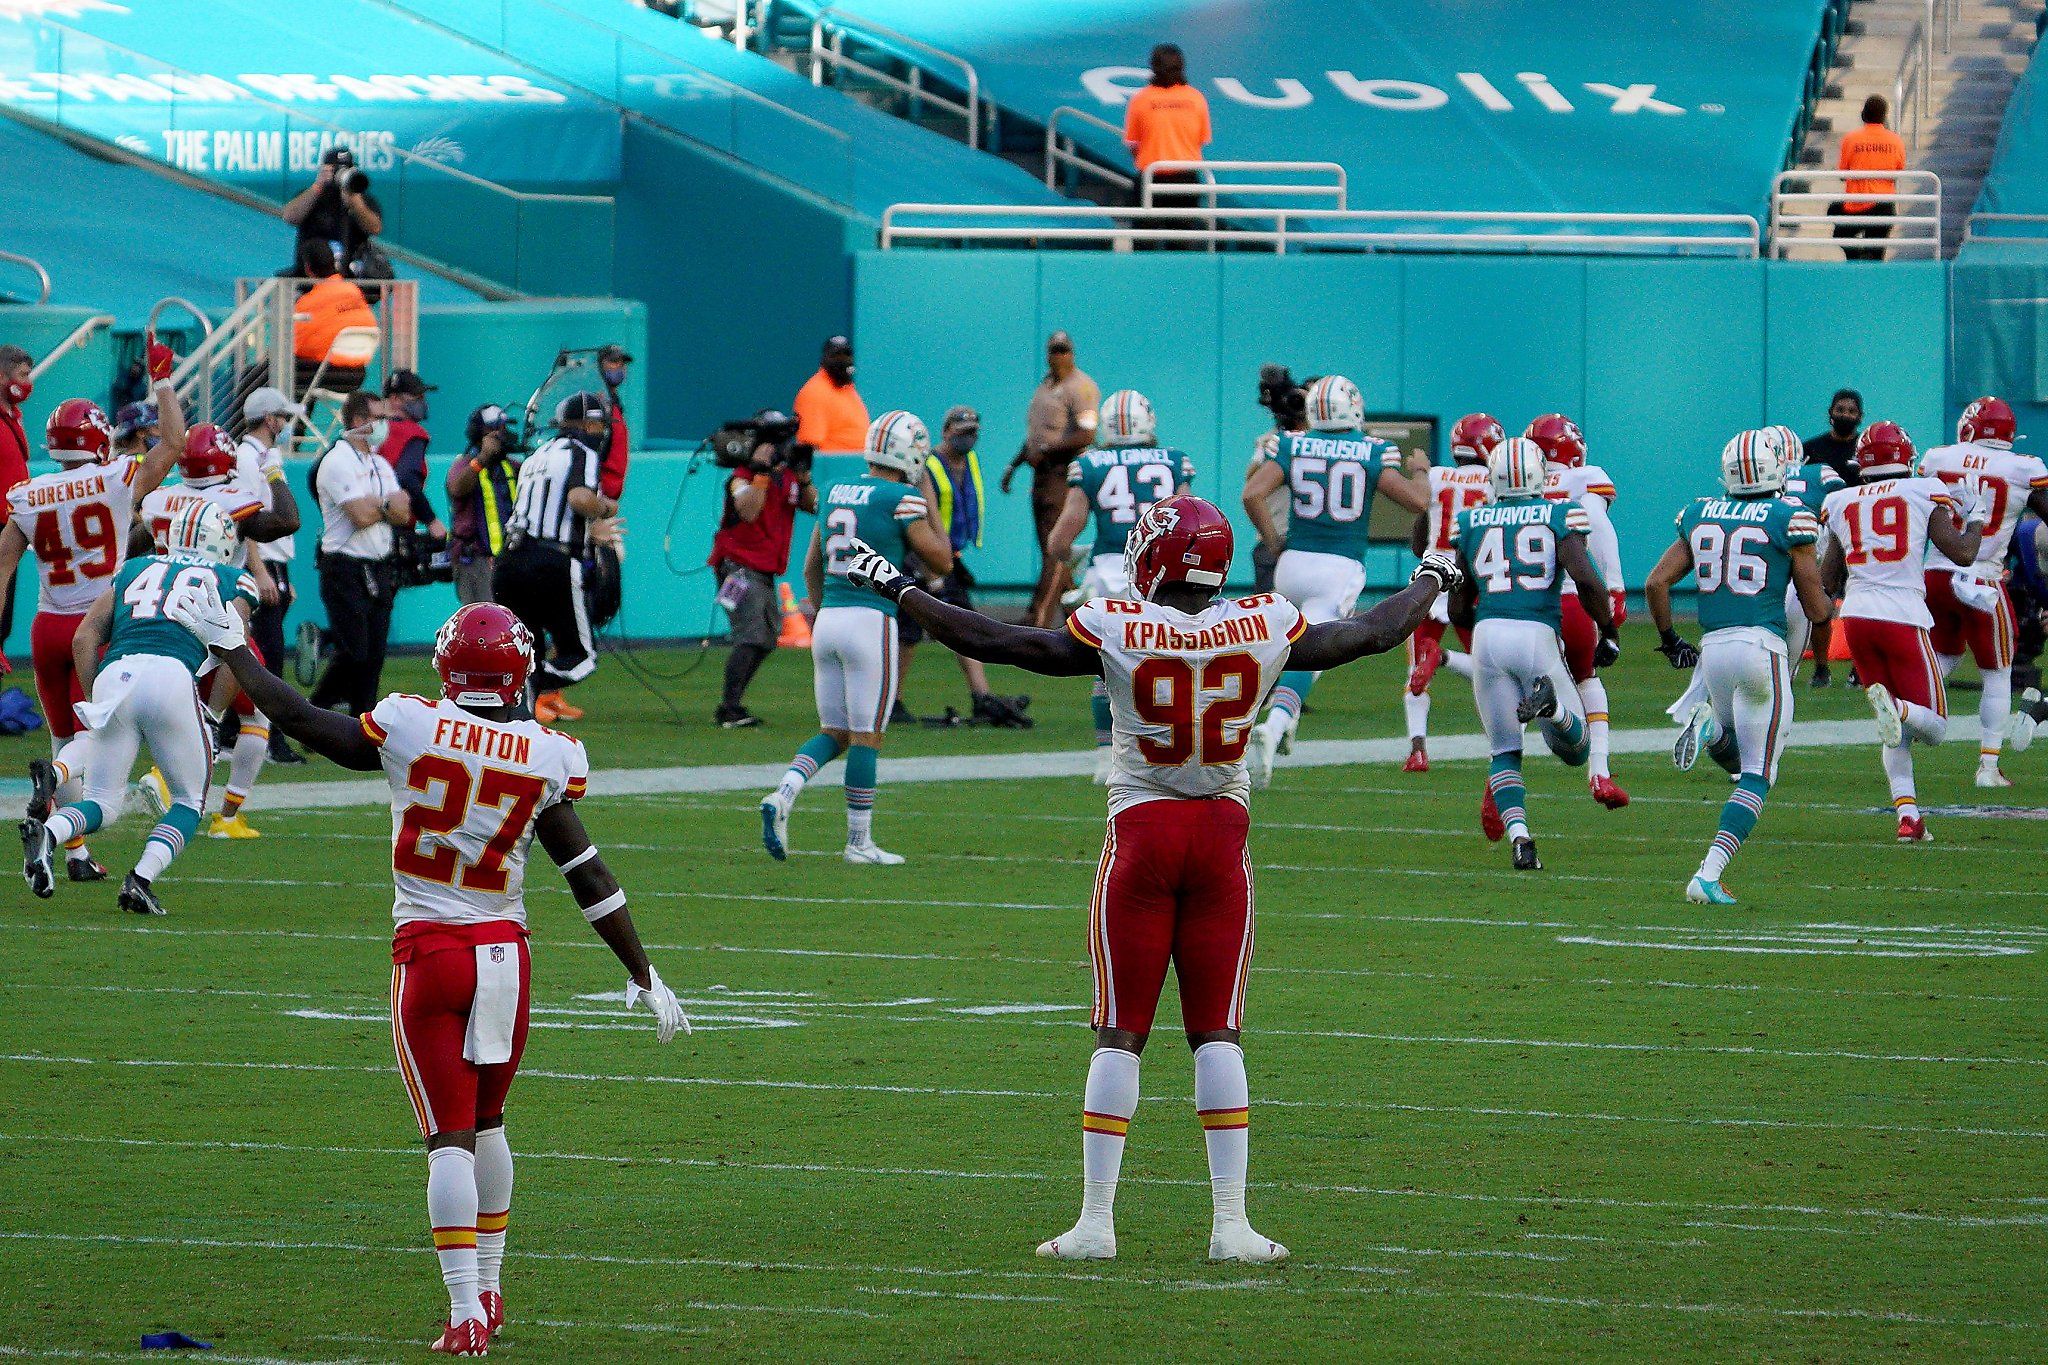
1742	560
76	522
464	795
1184	690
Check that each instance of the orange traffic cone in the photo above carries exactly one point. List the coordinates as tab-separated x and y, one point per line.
796	632
1838	643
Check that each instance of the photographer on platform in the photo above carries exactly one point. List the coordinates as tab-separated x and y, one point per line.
338	209
769	484
1288	402
482	487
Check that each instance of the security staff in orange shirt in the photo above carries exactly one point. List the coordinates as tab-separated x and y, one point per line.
829	412
1168	121
1873	147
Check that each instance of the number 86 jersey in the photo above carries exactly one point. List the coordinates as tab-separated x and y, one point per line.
464	795
1882	529
1184	690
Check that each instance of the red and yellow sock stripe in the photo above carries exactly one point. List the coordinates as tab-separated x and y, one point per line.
493	1222
1107	1125
454	1239
1216	1119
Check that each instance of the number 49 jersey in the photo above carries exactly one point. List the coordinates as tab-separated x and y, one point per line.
1184	690
1122	482
1882	529
464	795
1511	548
76	522
1742	560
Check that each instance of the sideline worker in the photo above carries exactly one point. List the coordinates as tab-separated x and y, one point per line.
481	489
1873	147
1059	425
830	413
267	417
1168	121
360	501
751	551
330	305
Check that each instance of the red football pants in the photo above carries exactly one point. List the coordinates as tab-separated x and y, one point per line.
431	996
1175	884
58	685
1988	636
1900	657
1578	635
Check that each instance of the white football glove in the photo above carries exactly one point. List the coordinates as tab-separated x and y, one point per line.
661	1001
271	462
196	606
869	568
1971	501
1443	566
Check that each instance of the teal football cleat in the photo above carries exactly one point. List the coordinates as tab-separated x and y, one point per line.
1700	891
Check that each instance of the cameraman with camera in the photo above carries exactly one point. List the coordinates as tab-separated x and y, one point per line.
769	484
481	488
1288	402
338	209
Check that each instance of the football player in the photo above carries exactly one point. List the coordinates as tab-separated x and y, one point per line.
1517	553
1332	469
146	691
1808	483
206	472
471	788
1970	607
1879	532
1746	548
75	521
1186	673
1452	488
1571	479
1116	483
853	638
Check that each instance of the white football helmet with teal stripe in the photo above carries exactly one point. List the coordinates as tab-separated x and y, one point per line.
1515	468
897	440
1790	446
201	530
1334	404
1128	420
1753	464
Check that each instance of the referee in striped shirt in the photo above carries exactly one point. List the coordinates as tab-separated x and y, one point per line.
540	577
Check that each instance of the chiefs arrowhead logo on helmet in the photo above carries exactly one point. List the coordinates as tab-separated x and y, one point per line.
1884	448
1989	420
1560	439
78	430
1474	436
1184	539
483	654
209	455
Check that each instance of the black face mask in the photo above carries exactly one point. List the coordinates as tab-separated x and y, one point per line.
1845	427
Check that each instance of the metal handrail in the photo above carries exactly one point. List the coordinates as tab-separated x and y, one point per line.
1970	233
1212	187
1910	83
78	336
1057	156
1921	188
205	323
35	265
833	54
1315	228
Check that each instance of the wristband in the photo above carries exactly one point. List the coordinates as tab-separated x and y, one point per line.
476	466
276	475
761	481
580	859
615	901
1667	637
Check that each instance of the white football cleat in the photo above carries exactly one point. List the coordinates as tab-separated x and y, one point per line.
1693	737
1085	1241
1105	763
1240	1242
775	827
1988	774
2020	726
872	855
1891	731
1258	757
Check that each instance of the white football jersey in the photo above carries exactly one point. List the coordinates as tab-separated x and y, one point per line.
1453	488
2008	479
237	502
1882	529
464	794
1184	690
1589	487
76	521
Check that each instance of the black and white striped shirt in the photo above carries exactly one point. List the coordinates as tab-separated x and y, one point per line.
542	511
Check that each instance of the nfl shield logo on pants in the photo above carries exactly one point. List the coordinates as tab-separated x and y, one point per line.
497	952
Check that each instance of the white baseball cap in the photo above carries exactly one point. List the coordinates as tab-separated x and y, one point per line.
268	402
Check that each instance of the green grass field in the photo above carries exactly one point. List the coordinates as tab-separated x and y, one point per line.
1498	1117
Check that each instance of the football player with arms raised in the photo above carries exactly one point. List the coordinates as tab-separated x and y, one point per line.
1186	672
1452	488
1517	552
1746	548
472	787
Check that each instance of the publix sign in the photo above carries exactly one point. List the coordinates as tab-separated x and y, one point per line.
1114	86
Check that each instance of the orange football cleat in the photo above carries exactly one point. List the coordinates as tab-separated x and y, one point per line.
1418	762
1607	794
1490	823
553	706
1429	657
470	1337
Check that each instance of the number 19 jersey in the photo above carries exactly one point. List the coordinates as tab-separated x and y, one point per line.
76	522
1184	690
1882	529
1742	558
464	795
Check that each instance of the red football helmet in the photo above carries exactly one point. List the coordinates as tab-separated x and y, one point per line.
1560	439
1474	436
1184	539
1884	448
78	430
1987	419
209	454
483	654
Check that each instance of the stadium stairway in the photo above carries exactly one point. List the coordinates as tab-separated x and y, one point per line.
1989	45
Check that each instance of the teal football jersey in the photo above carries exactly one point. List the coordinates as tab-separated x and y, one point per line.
139	624
1330	479
878	511
1122	483
1810	484
1510	547
1742	558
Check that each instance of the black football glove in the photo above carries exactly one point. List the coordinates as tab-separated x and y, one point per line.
1607	651
1681	653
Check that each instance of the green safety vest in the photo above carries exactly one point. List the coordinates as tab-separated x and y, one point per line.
942	484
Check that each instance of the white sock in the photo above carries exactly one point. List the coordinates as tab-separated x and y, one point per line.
1923	723
64	826
451	1208
252	746
1593	696
1223	1103
1106	1108
1460	664
1418	714
1898	770
493	1204
1993	710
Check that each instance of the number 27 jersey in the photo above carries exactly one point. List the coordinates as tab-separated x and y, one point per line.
1184	690
464	795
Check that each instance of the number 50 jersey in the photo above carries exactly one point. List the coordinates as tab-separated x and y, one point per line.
1183	691
464	794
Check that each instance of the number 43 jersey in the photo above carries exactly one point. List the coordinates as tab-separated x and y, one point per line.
464	795
1184	690
1742	558
1122	482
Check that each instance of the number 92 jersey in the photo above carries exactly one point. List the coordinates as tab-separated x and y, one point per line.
1330	479
1882	529
464	794
1742	558
1183	691
1122	482
1511	550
